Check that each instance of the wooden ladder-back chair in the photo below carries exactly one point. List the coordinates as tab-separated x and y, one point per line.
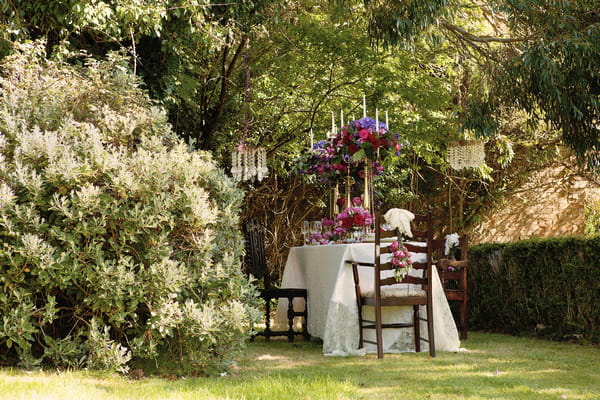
378	298
256	265
453	275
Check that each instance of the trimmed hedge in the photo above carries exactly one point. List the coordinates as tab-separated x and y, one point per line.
544	287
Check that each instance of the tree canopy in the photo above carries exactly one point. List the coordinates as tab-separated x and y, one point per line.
444	70
540	56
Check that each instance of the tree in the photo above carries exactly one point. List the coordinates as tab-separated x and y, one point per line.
187	51
543	57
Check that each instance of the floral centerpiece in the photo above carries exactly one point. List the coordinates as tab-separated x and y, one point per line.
366	140
333	232
355	219
350	224
355	216
400	260
360	142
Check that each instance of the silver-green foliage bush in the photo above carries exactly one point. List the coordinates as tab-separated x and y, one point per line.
118	240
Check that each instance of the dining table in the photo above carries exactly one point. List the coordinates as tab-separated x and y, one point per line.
325	272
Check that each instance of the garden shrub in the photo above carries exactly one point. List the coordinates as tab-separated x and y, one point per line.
544	287
592	218
119	242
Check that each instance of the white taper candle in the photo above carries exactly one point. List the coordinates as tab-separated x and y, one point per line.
386	120
364	106
332	124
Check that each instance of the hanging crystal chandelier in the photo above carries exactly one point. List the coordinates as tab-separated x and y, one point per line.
248	162
466	154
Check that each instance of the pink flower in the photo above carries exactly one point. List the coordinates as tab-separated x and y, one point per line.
400	260
327	222
342	215
364	134
357	201
339	230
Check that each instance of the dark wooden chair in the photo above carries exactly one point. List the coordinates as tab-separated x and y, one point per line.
378	298
256	265
453	275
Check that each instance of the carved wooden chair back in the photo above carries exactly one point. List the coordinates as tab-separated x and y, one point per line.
257	265
453	275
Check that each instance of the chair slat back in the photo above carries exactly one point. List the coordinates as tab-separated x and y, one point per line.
382	278
421	233
256	254
453	276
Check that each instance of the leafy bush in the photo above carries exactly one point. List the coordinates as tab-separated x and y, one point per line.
119	241
545	287
592	218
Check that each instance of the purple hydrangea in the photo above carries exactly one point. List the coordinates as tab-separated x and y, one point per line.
368	123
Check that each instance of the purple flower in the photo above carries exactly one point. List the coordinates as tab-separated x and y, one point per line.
369	123
321	144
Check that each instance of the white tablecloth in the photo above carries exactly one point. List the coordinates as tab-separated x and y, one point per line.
332	310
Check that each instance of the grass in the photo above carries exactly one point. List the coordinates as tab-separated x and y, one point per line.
494	367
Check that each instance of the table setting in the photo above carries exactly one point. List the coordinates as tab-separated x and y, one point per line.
321	267
349	160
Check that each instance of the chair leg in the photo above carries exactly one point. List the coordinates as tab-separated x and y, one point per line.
290	333
267	332
463	319
417	328
379	332
430	330
305	320
360	328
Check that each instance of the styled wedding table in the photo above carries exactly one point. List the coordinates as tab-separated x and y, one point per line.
332	310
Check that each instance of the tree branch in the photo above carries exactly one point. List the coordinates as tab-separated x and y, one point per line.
468	36
227	70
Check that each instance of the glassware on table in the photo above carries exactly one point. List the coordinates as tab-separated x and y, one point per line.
316	229
386	227
358	234
306	228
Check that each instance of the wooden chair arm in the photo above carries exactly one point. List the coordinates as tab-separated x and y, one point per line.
444	263
360	263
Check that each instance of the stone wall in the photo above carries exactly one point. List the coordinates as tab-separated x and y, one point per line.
551	203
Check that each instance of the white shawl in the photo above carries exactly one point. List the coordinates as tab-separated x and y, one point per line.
451	241
400	219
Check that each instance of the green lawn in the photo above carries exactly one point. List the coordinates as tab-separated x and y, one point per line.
494	367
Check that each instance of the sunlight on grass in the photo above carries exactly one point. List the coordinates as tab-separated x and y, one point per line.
495	367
